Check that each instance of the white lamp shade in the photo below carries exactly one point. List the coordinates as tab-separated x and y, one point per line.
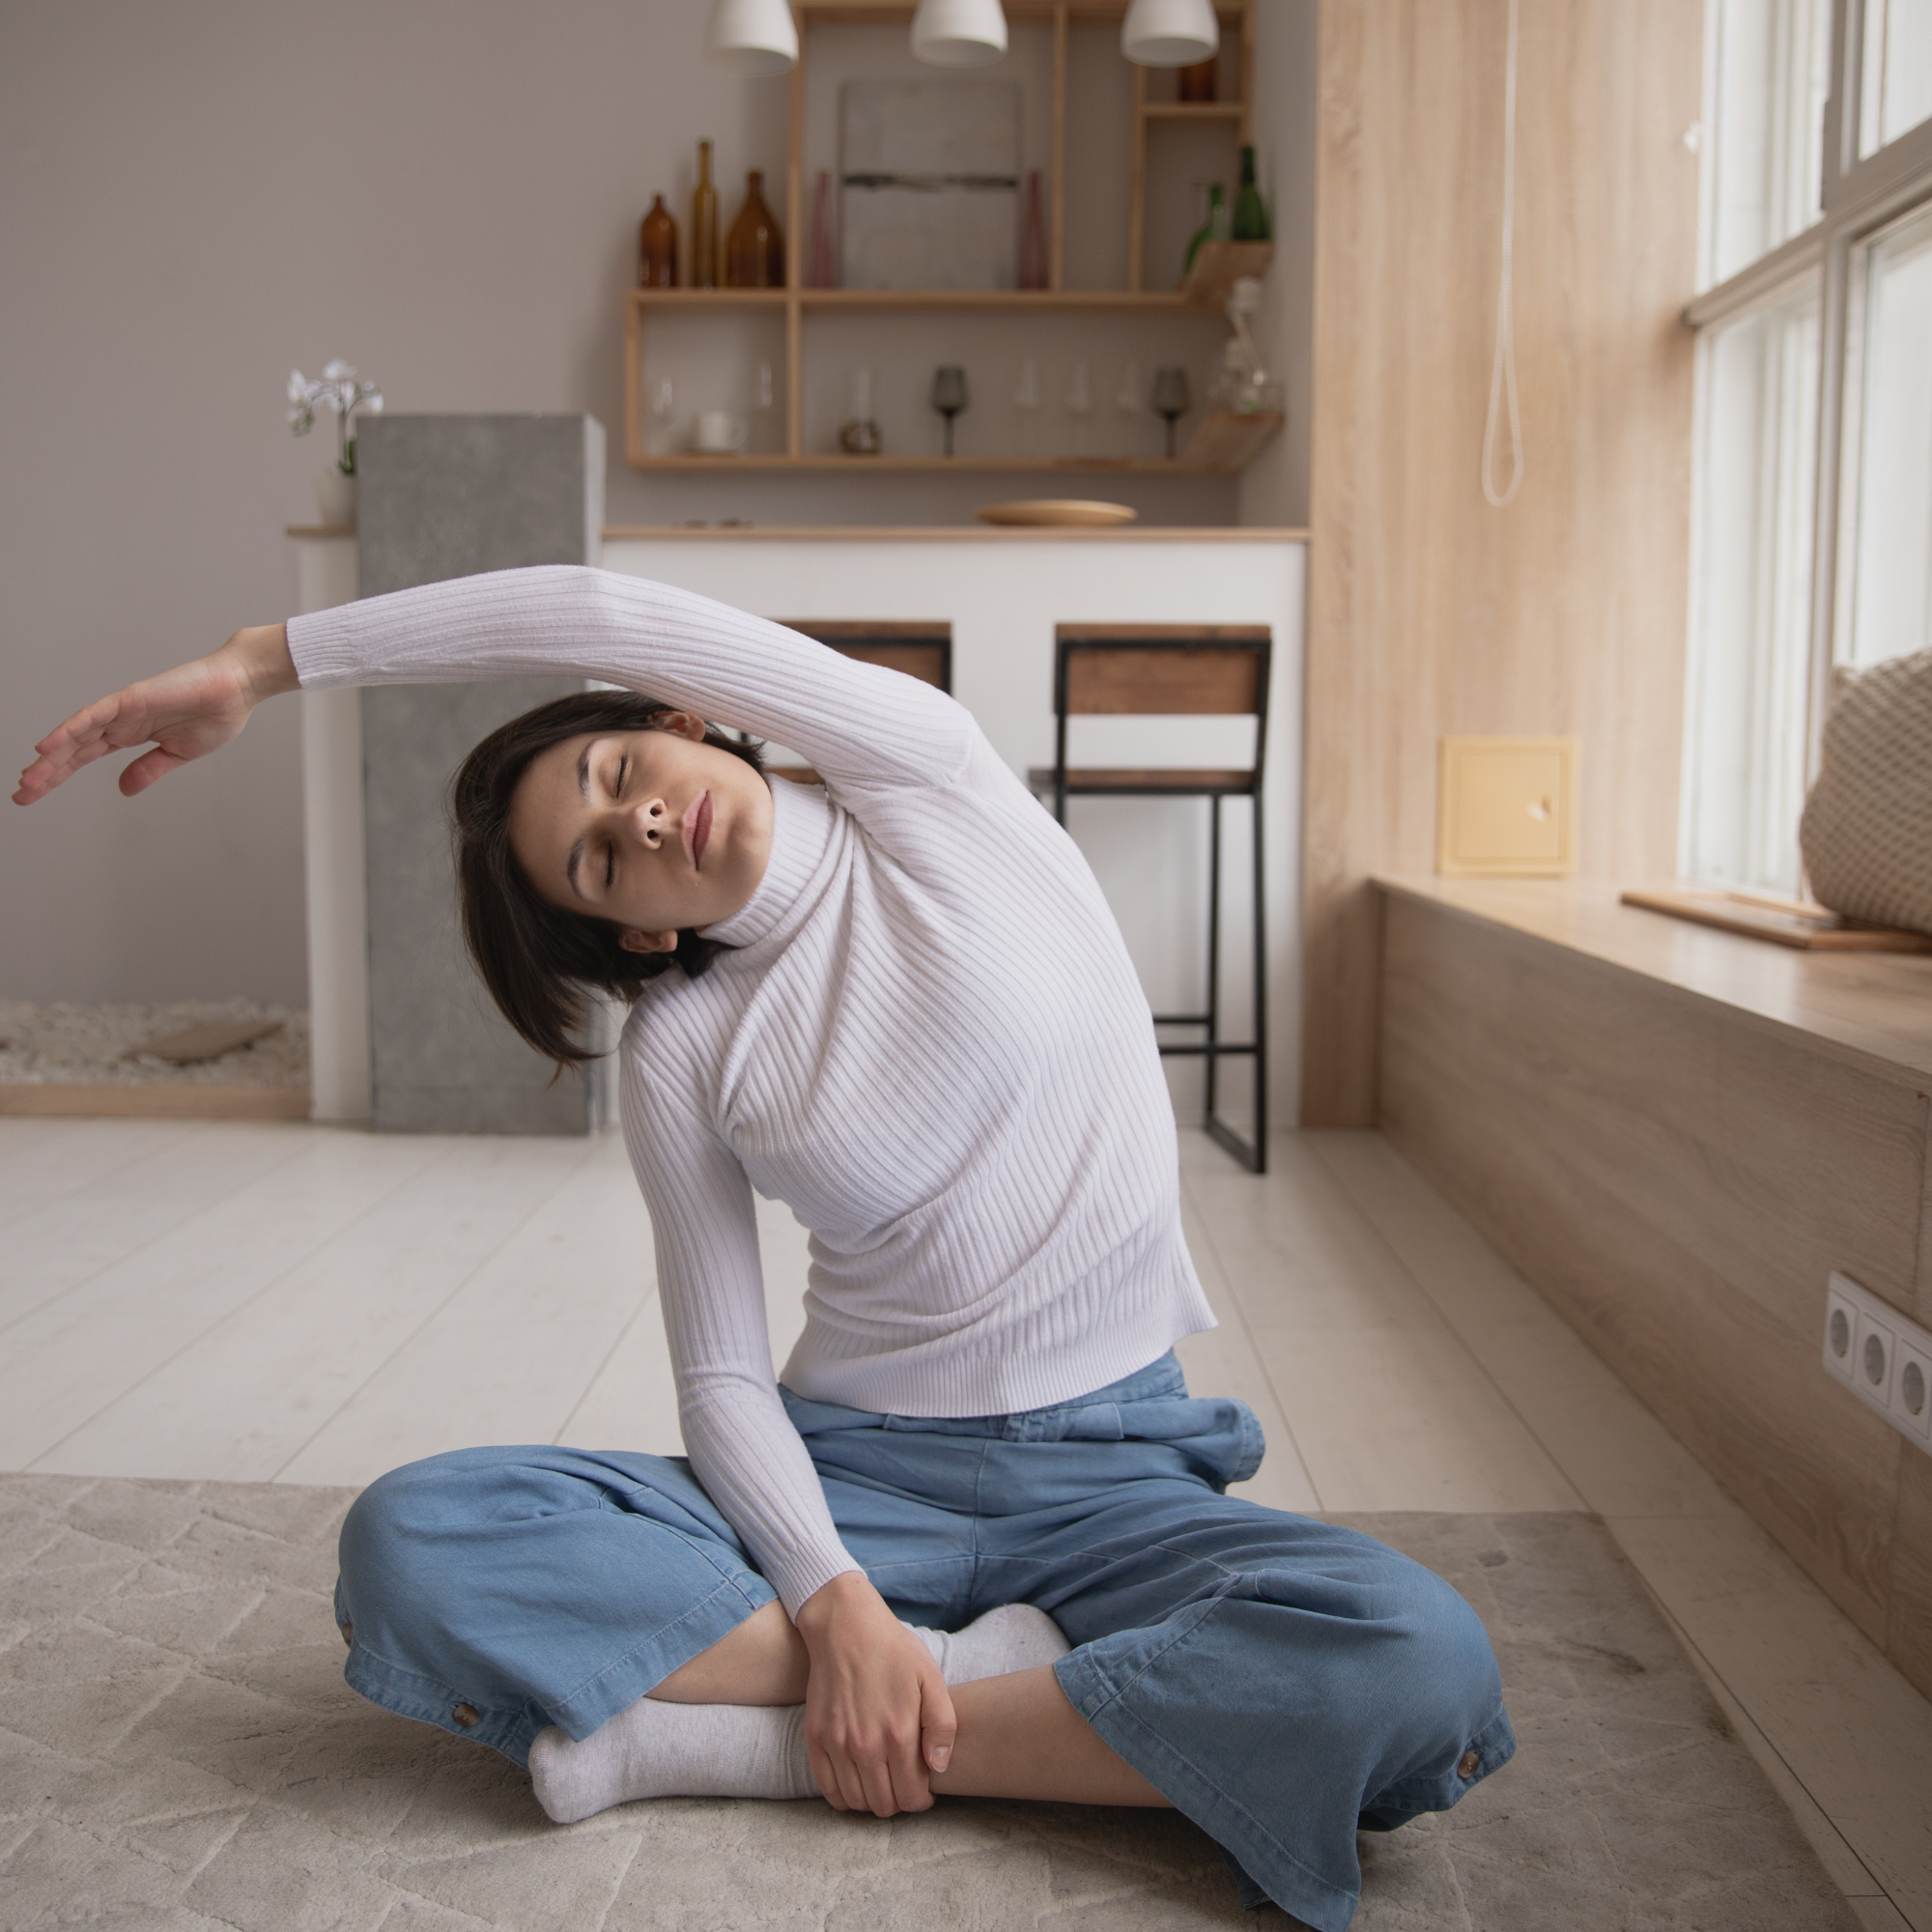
752	37
958	33
1169	33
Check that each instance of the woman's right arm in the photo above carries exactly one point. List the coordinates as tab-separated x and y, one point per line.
184	714
879	1719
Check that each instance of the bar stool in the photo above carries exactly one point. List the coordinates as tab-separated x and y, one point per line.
920	650
1171	671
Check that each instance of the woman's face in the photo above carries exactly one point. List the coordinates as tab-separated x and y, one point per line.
655	830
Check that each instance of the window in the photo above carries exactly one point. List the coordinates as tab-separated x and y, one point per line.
1812	511
1770	64
1750	680
1888	608
1896	81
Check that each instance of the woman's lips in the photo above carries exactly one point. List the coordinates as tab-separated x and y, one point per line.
697	828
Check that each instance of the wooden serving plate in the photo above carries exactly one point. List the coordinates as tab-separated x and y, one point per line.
1071	511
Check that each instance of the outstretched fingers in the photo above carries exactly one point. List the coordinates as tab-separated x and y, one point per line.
68	747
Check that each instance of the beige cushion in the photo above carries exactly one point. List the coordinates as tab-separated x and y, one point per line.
1867	827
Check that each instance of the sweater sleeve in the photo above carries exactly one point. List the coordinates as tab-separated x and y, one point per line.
860	725
741	1443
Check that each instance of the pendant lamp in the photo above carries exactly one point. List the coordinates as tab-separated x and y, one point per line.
958	33
752	37
1169	33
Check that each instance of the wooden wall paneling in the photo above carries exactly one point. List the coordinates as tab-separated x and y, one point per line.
1679	1187
1430	613
1922	1296
1909	1623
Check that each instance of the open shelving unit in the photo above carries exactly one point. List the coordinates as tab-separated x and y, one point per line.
1219	444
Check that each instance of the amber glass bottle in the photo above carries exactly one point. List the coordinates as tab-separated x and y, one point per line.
657	247
754	250
704	224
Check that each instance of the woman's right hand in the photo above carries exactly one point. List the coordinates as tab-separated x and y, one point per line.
878	1718
185	713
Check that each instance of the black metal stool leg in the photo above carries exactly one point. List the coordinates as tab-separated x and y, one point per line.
1251	1153
1213	951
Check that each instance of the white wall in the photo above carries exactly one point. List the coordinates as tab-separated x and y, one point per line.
196	196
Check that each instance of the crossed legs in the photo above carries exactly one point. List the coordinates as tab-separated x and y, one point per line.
1018	1736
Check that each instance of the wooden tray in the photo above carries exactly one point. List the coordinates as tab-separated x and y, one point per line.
1811	928
1071	511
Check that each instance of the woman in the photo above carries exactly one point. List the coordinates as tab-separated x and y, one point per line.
904	1009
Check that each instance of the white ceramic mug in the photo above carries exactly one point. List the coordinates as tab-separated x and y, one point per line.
719	432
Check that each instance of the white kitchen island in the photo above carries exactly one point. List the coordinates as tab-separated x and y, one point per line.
1003	591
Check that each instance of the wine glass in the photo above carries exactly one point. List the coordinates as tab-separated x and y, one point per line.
764	399
949	395
1171	398
1079	405
664	414
1026	399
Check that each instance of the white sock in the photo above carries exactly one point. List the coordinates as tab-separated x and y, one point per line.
673	1750
749	1750
1015	1636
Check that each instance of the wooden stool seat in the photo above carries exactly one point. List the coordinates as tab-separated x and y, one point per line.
918	647
1130	782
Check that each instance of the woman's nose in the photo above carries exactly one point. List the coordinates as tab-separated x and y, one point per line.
650	821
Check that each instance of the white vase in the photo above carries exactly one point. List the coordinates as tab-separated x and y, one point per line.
335	499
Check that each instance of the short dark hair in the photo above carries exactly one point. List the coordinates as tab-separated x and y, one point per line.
538	958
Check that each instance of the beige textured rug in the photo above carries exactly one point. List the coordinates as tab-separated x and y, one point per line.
178	1749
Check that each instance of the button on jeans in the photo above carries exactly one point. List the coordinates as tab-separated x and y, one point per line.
1283	1682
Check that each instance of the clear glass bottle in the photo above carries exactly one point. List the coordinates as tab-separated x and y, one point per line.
704	224
754	250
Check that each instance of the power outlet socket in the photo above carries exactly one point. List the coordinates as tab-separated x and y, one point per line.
1884	1358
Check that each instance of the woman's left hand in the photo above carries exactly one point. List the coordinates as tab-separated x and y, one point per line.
878	1718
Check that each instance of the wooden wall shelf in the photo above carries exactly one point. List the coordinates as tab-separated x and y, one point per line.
1217	267
1206	292
1211	451
998	301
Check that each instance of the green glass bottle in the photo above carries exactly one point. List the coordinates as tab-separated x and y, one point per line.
1250	216
1214	229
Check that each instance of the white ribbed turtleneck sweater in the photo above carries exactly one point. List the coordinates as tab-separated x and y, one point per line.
928	1042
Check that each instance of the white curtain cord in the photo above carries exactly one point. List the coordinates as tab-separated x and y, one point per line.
1502	371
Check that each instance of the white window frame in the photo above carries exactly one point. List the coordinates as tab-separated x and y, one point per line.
1859	198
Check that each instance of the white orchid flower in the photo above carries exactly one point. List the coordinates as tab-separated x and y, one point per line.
343	396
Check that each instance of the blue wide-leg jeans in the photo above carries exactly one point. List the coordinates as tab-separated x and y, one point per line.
1283	1682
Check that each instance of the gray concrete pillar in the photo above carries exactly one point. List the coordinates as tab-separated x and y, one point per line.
442	496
